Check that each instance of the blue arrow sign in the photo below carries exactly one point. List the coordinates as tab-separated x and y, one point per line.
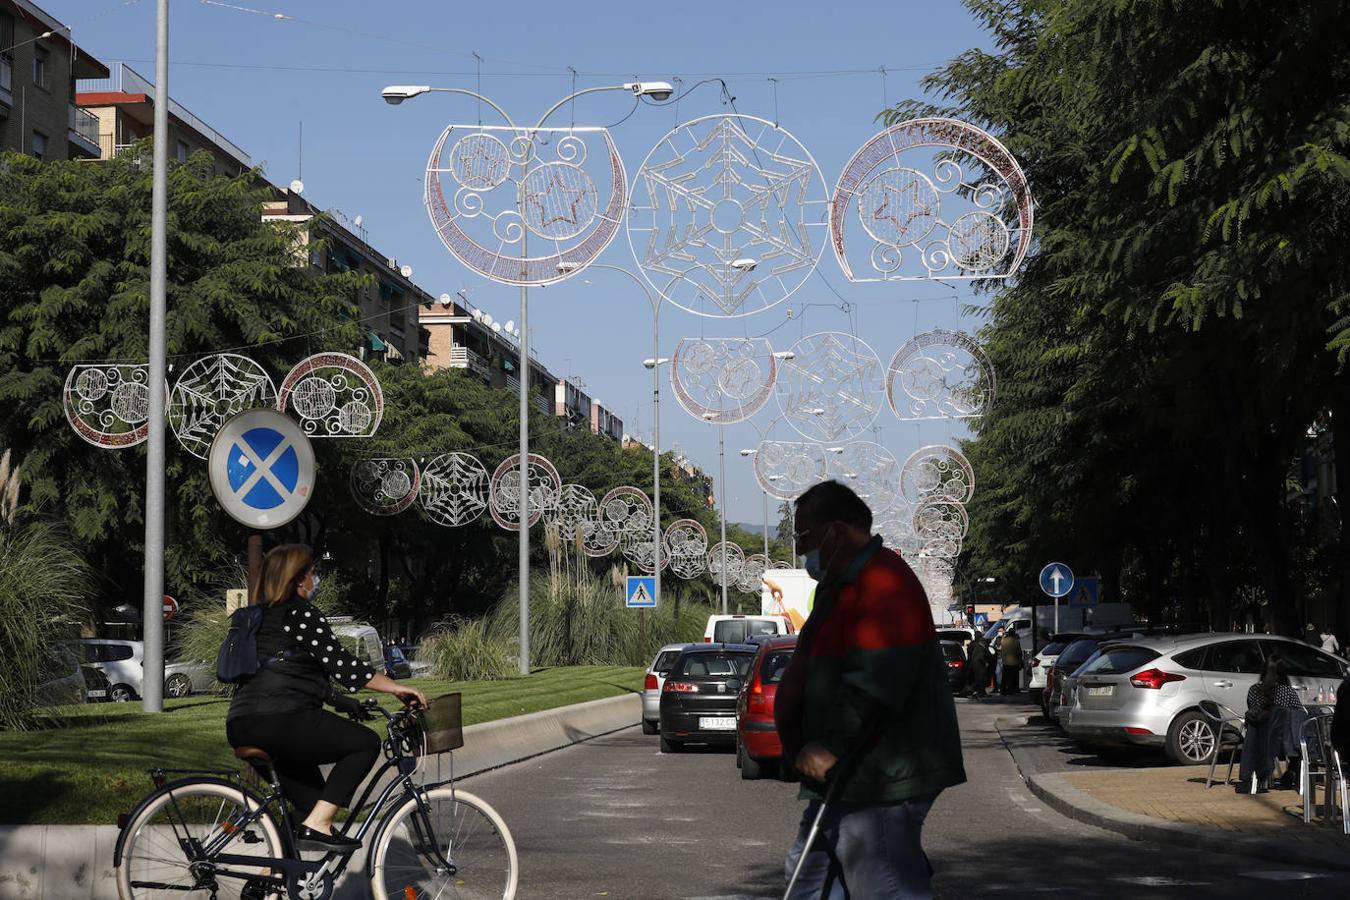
1057	580
641	591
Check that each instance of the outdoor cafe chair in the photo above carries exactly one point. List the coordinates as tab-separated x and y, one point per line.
1231	732
1321	762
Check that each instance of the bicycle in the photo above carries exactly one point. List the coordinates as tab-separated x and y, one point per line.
208	834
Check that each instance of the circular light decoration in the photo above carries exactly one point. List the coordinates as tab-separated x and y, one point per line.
752	573
597	541
639	549
940	374
831	388
735	558
931	198
108	404
937	472
779	564
785	469
936	518
723	380
504	490
896	527
574	507
334	395
495	194
385	486
870	470
454	489
934	569
687	548
211	391
625	511
728	216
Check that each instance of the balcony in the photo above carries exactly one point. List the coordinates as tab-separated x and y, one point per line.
84	131
6	78
462	357
541	403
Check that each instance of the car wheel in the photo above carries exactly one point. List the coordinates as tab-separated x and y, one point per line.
121	693
178	686
650	727
751	770
1191	739
669	746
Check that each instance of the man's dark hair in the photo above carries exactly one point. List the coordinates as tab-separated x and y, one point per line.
831	501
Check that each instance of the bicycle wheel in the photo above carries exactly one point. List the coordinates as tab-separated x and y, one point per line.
154	863
470	835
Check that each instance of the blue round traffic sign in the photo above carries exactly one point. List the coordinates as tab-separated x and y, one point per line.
1057	579
262	468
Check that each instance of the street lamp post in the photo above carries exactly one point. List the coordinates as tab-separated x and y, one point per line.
396	94
765	494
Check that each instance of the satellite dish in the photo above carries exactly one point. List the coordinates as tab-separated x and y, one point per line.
497	327
357	221
297	186
406	271
487	320
445	299
511	327
478	315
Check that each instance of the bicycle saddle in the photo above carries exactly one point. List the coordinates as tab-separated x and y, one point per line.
252	754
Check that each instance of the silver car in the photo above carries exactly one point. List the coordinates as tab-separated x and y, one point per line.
652	684
1147	690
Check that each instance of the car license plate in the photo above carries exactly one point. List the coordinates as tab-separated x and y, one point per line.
97	693
1101	690
717	723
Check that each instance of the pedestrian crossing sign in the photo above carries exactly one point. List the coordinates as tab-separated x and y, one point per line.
641	591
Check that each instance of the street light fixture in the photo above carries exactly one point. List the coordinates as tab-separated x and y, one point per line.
653	363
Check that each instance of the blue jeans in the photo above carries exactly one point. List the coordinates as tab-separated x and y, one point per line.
863	851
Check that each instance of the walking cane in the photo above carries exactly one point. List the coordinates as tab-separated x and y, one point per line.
835	781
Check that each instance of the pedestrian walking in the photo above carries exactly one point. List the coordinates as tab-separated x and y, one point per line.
866	686
1329	642
977	667
1011	654
1310	636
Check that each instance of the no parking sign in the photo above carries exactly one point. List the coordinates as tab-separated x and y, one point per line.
262	468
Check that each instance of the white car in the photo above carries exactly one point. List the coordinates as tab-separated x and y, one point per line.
738	629
121	662
652	684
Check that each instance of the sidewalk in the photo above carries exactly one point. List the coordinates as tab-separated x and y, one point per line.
1169	804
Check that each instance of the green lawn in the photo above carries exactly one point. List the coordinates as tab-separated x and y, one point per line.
92	764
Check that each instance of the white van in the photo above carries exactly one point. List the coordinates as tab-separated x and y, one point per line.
360	639
737	629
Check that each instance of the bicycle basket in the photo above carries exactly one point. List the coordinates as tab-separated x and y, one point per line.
442	724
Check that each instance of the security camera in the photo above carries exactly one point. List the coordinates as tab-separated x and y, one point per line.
657	90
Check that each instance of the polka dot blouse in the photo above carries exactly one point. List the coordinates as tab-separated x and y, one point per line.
308	628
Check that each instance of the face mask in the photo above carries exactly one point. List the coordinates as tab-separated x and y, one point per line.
814	568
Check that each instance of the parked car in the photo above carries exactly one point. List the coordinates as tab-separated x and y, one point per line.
734	629
758	748
1146	691
962	634
396	665
1070	658
1039	668
62	681
189	677
651	686
698	698
95	684
955	657
121	663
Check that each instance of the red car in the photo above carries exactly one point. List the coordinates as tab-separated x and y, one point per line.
758	748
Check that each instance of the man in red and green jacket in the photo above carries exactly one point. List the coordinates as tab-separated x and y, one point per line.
867	686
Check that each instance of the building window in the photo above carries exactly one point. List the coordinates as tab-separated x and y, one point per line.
181	152
40	67
6	55
39	145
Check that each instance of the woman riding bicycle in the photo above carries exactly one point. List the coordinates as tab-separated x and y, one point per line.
301	666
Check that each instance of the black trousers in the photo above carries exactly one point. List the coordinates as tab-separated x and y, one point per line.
300	742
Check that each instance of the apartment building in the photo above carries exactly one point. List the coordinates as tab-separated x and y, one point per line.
39	65
122	103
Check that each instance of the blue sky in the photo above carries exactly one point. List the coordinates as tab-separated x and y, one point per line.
255	78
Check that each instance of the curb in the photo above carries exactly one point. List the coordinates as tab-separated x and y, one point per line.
1054	790
74	862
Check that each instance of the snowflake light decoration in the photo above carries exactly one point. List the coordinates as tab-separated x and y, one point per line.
639	549
785	469
831	388
728	216
752	573
504	494
723	380
871	471
735	562
574	507
385	486
937	472
940	374
492	192
454	489
108	404
211	391
931	198
687	548
334	395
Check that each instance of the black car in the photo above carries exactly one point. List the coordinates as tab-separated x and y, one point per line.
698	699
955	657
95	683
396	665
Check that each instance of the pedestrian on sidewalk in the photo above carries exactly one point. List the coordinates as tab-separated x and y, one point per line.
866	685
1011	653
977	667
1329	642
